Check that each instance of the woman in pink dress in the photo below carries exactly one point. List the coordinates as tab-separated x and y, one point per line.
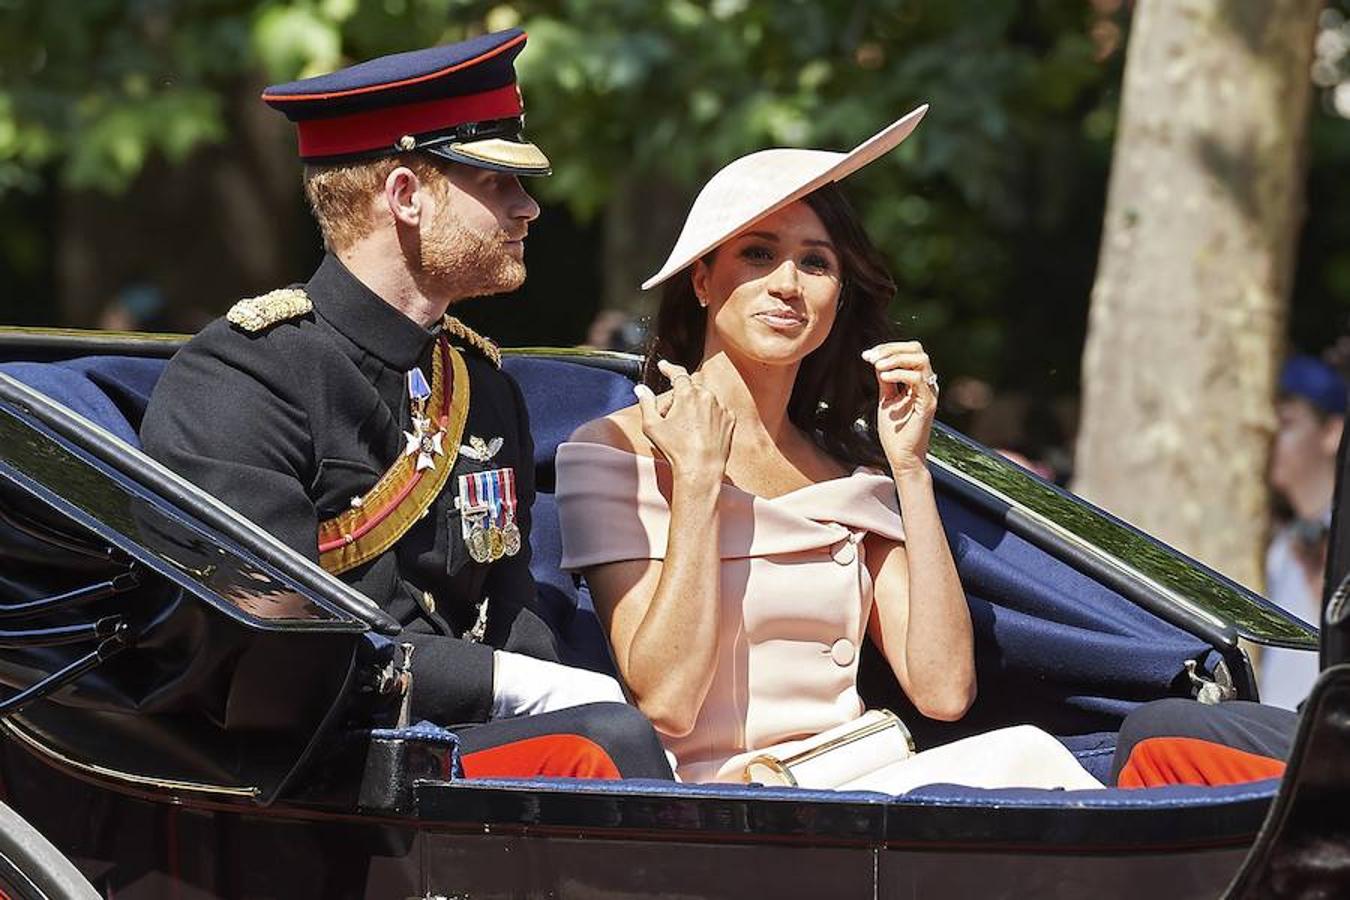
741	530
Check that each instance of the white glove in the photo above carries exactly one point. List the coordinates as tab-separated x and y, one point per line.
523	685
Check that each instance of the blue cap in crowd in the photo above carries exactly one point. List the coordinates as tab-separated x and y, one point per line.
1315	381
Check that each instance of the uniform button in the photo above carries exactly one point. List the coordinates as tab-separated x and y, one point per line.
843	652
845	552
429	602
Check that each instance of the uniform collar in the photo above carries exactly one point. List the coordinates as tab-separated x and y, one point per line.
365	319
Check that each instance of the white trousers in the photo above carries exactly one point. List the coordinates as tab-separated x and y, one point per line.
1020	756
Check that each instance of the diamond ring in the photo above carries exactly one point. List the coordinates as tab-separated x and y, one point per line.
931	381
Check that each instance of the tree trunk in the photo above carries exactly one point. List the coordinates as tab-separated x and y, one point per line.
1189	307
642	221
227	223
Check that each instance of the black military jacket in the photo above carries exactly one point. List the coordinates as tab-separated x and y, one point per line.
289	423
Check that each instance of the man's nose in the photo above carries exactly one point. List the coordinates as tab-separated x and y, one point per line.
522	205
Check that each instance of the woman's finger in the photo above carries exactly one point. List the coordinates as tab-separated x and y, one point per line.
677	375
895	384
907	376
905	360
646	404
672	370
874	353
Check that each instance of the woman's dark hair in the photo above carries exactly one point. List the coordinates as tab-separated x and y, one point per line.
835	388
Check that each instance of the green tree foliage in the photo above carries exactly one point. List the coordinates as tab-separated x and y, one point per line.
1013	150
974	212
94	87
1321	301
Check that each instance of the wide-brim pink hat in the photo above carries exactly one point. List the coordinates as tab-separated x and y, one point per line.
762	183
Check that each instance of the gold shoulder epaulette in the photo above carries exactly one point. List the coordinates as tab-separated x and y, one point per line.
257	313
456	329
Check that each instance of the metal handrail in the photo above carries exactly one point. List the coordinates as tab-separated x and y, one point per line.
101	590
59	635
110	646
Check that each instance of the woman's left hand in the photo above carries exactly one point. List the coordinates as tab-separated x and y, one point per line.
907	402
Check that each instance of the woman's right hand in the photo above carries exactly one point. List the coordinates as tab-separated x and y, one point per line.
688	425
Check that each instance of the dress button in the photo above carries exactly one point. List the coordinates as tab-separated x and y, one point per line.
842	652
845	552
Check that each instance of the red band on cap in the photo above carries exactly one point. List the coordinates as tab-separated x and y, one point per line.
380	129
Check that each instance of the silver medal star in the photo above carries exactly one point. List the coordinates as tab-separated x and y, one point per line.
426	446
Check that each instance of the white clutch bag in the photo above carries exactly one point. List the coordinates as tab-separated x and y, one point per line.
840	755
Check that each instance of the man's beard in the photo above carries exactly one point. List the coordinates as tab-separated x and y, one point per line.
467	263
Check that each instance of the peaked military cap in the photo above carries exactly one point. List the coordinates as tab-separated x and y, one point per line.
459	101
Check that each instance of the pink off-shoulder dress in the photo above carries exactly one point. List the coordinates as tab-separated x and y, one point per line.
796	595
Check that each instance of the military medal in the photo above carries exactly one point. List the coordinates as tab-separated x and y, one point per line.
511	539
480	548
510	531
479	449
473	517
488	506
421	441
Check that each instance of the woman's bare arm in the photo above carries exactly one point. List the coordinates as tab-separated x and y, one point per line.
663	617
920	619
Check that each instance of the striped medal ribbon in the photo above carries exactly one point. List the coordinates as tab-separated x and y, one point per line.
488	514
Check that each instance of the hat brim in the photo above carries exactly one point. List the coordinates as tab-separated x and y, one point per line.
760	184
498	154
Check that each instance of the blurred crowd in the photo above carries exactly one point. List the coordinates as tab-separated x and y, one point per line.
1310	416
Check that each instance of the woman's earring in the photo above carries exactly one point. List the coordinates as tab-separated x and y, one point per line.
702	302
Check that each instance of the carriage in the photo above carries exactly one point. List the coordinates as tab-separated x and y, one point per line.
142	753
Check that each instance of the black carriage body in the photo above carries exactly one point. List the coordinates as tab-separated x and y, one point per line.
172	761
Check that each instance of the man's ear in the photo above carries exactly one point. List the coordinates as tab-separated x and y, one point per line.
403	196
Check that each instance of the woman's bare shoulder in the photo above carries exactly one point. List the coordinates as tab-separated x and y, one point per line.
621	430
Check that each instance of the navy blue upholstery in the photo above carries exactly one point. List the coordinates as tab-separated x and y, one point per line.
111	391
560	397
1054	647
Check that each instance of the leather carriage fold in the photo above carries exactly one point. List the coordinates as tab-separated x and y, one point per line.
232	664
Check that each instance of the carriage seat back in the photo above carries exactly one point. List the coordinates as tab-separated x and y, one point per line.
112	392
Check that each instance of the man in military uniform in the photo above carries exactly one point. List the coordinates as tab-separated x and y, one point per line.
375	434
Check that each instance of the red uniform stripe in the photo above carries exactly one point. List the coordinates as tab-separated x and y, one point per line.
556	755
1160	761
376	518
380	129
